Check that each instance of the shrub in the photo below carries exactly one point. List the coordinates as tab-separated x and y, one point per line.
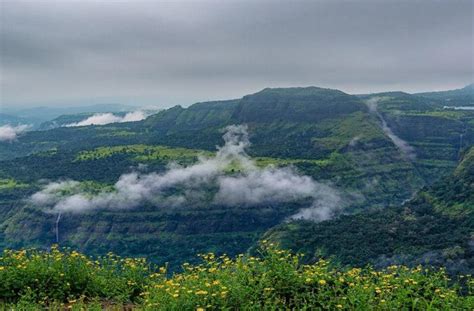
62	275
273	280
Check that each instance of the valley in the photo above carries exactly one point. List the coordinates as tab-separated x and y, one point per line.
327	135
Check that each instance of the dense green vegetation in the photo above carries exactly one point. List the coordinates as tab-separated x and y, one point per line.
434	228
6	184
143	153
438	135
326	134
275	279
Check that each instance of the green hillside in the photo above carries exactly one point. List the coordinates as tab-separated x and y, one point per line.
458	97
437	135
436	228
326	134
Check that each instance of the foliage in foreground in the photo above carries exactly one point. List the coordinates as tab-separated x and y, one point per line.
62	279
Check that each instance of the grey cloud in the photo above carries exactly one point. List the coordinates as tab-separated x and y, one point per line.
185	51
270	185
107	118
10	133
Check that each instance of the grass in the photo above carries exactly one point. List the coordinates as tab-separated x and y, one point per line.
141	153
87	187
448	114
273	280
10	183
357	125
145	153
118	134
265	161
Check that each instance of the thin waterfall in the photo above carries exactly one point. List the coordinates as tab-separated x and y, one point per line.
460	143
57	228
407	151
461	140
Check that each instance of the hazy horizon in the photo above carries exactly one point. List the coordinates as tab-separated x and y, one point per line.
155	105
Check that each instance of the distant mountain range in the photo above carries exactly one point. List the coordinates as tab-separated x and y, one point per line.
37	115
458	97
12	120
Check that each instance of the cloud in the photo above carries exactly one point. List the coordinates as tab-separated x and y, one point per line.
280	185
134	116
179	52
10	133
107	118
267	185
326	202
354	141
407	150
209	181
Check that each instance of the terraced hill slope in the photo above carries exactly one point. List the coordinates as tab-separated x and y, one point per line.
438	135
436	228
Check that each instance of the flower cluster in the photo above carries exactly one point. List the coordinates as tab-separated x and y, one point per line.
65	275
274	279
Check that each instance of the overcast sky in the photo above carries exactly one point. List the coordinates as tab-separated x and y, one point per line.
180	52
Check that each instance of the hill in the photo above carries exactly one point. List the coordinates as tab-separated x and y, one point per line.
64	120
458	97
282	122
12	120
37	116
437	136
434	228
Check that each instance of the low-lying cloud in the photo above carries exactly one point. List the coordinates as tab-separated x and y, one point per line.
11	133
107	118
231	177
407	150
